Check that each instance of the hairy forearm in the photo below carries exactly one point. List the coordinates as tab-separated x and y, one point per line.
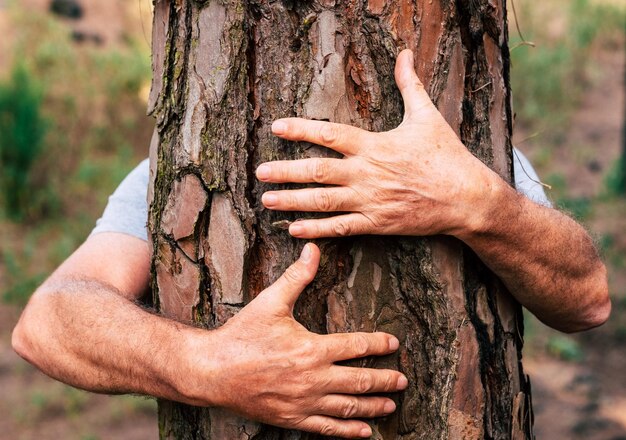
86	334
419	179
546	260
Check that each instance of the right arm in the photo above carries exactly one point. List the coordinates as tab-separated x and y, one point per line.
83	327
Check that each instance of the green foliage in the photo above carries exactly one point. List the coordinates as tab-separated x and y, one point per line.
92	131
95	108
59	399
21	283
22	133
50	243
548	79
579	207
621	183
606	243
615	179
564	348
93	111
74	400
128	405
39	400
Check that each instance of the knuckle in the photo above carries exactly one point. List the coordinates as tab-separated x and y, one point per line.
349	408
327	429
301	393
360	345
309	348
342	228
290	201
319	171
284	415
293	274
417	84
280	171
323	201
329	133
298	133
391	381
309	358
330	343
364	382
323	406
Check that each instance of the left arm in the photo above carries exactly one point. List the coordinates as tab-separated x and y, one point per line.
419	179
546	259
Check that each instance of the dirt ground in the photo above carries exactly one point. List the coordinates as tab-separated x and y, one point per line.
582	399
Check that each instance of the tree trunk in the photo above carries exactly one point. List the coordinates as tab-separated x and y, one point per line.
223	71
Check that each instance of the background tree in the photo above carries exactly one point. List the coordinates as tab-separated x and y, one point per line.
223	71
622	159
22	132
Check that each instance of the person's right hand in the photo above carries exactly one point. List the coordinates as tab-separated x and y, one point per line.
269	368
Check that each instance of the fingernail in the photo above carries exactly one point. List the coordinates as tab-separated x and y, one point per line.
389	407
295	229
263	172
403	382
366	432
279	127
306	254
269	199
394	344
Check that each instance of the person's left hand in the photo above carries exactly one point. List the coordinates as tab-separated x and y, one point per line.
418	179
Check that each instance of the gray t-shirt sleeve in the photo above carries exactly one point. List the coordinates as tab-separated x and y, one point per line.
527	181
127	210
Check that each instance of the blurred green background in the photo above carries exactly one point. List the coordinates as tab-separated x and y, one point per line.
72	124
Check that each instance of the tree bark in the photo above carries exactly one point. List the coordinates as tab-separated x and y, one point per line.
223	71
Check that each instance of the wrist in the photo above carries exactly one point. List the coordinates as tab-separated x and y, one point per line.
195	379
486	202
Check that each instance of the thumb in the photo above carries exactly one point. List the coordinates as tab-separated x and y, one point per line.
411	88
292	282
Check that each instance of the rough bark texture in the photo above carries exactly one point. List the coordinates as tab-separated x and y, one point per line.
223	71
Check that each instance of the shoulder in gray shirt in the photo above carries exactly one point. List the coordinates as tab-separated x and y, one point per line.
127	210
